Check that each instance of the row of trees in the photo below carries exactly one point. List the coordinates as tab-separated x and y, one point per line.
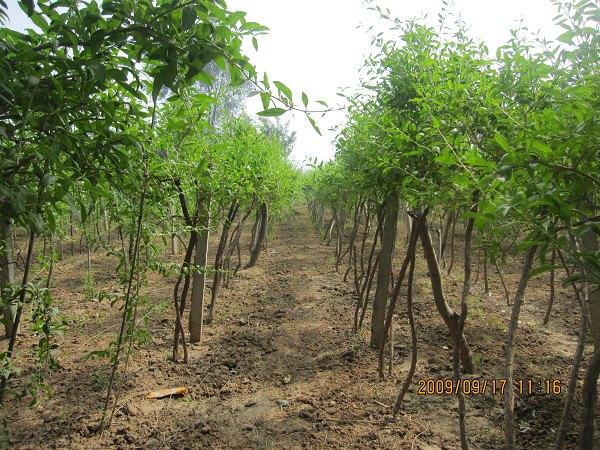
506	146
124	124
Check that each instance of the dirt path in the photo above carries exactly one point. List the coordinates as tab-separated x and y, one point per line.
280	368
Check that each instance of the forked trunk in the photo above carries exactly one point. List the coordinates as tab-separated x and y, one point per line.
449	316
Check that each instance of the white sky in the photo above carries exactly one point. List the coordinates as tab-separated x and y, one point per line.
314	46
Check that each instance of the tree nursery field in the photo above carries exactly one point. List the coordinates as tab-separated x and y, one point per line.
170	278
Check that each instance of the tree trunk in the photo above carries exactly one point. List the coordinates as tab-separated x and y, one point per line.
486	283
551	297
577	358
223	242
589	243
413	336
454	220
329	230
22	293
388	239
408	259
450	317
506	295
445	231
174	249
509	398
589	394
179	301
262	232
199	276
408	223
458	333
361	302
7	275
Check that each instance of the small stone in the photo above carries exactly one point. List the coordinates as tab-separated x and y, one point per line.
287	379
304	399
225	390
243	321
281	402
445	347
307	412
131	410
94	427
205	430
248	427
246	381
250	403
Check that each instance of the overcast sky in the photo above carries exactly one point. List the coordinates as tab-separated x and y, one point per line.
315	46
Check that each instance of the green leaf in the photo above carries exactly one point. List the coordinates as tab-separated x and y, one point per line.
543	149
37	19
542	269
284	89
272	112
156	87
188	18
28	6
314	125
165	77
266	99
254	26
474	159
305	99
567	37
254	43
446	158
36	222
49	179
502	142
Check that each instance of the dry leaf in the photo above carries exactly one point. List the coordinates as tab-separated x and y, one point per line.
163	393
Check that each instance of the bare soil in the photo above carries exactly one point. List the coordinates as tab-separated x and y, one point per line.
281	368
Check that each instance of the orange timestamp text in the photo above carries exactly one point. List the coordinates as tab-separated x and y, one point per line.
485	386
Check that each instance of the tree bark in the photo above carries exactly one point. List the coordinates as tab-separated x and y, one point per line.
454	220
408	259
262	232
7	275
577	358
413	336
551	297
199	276
445	232
590	244
461	324
361	302
509	397
223	241
589	394
388	240
23	291
449	316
